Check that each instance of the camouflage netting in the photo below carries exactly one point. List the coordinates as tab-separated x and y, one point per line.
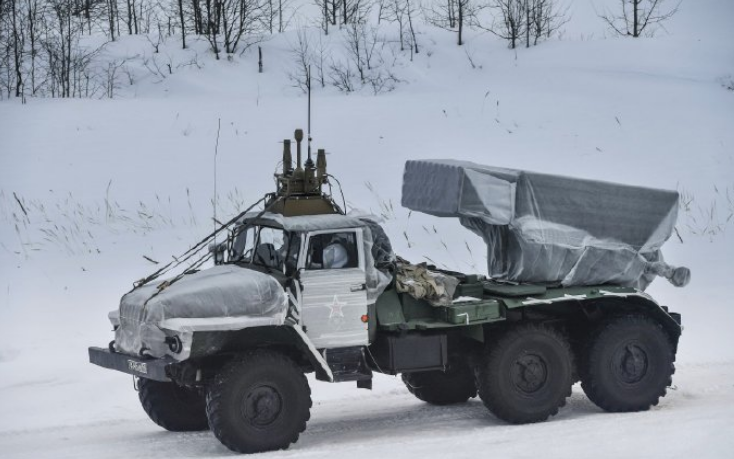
551	229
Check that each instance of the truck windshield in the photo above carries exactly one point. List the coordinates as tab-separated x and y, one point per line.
265	246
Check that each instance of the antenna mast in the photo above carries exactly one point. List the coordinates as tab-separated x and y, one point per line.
309	162
214	200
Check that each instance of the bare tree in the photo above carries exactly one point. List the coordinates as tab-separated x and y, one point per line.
239	18
302	54
543	18
277	14
364	63
509	20
411	10
636	16
18	39
68	63
182	23
403	13
533	20
454	15
113	19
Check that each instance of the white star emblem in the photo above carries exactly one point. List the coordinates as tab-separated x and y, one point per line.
336	308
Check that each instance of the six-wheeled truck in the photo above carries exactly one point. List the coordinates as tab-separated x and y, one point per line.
299	287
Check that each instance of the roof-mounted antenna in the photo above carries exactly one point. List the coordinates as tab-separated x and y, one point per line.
309	161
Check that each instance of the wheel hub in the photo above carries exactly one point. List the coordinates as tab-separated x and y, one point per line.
262	406
529	373
630	363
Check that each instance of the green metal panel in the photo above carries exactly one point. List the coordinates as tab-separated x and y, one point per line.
389	309
415	309
471	312
568	294
475	332
475	290
514	290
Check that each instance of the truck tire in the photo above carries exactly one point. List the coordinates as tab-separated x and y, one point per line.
628	365
175	408
258	402
439	388
525	375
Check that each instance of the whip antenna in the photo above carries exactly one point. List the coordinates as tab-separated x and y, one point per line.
214	201
309	162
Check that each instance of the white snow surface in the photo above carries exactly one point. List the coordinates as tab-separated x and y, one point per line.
106	182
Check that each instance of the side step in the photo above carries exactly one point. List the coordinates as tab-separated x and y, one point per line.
348	364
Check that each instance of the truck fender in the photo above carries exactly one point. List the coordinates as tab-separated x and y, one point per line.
320	366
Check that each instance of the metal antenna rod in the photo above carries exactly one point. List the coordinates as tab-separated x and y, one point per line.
308	85
214	201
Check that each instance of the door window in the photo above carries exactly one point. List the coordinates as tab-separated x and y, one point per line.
333	251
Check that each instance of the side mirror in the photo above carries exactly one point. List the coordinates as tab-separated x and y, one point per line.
217	249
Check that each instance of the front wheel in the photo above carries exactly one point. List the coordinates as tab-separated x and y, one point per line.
525	375
259	402
629	364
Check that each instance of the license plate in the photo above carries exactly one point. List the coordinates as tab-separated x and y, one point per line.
137	367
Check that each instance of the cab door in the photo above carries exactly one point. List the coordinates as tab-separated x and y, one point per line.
334	295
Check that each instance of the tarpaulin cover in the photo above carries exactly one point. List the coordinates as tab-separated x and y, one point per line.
551	229
220	291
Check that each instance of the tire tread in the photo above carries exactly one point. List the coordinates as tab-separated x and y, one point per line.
591	383
215	394
487	385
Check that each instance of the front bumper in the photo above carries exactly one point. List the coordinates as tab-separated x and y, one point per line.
157	369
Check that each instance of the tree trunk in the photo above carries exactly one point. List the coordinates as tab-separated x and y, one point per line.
635	20
129	18
111	17
183	23
527	23
280	16
410	24
32	12
17	51
460	6
326	17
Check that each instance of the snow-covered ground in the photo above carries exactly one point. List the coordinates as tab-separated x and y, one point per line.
106	182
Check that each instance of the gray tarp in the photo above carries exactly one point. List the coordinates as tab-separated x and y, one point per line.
547	228
221	291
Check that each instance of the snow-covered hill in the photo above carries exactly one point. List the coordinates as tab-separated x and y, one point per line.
103	183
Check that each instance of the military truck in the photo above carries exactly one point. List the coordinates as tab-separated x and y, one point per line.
298	286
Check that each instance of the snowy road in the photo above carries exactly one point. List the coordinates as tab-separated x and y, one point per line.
695	419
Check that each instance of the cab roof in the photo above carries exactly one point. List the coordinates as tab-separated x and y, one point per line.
306	222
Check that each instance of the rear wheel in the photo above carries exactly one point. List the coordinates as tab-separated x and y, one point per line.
259	402
175	408
525	374
456	385
629	364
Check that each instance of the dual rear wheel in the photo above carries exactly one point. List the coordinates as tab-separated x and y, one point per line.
628	365
525	374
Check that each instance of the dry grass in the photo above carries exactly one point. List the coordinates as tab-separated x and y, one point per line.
76	226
